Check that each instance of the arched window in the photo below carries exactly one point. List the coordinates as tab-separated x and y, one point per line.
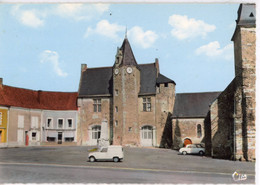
199	133
96	130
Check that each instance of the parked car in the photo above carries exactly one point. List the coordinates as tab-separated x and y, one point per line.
193	149
113	152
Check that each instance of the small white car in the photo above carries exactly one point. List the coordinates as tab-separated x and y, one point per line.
113	152
193	149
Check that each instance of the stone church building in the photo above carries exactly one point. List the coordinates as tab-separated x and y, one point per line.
230	124
135	100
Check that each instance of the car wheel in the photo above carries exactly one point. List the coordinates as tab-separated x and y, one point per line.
116	159
184	153
92	159
201	152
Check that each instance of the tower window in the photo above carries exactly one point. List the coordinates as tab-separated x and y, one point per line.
97	105
147	104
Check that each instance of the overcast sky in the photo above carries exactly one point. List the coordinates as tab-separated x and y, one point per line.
42	46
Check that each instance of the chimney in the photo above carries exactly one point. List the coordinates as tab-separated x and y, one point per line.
157	66
1	83
39	96
83	67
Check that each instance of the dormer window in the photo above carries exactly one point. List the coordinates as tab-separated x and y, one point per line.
251	15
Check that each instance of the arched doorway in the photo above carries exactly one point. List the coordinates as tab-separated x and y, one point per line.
187	141
147	135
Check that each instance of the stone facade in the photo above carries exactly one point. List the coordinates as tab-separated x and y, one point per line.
189	112
187	129
89	120
219	123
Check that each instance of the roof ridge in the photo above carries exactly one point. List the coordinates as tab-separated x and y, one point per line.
100	67
38	90
200	92
146	64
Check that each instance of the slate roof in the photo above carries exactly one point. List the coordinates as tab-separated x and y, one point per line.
128	55
148	77
96	81
18	97
193	105
99	81
163	79
246	15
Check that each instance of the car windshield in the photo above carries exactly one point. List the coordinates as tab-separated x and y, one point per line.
103	150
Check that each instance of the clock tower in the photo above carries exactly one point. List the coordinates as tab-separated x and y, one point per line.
126	87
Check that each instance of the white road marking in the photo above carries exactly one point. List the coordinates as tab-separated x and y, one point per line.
119	168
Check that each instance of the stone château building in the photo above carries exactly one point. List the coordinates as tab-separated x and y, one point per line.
135	99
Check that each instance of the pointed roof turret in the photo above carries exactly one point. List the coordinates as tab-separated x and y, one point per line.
128	56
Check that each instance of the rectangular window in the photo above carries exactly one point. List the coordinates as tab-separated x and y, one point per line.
34	122
96	135
49	122
20	121
97	105
116	92
51	139
116	109
60	123
34	136
147	104
1	118
69	139
69	123
116	123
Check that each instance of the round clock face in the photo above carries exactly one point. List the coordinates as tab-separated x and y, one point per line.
116	71
129	70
